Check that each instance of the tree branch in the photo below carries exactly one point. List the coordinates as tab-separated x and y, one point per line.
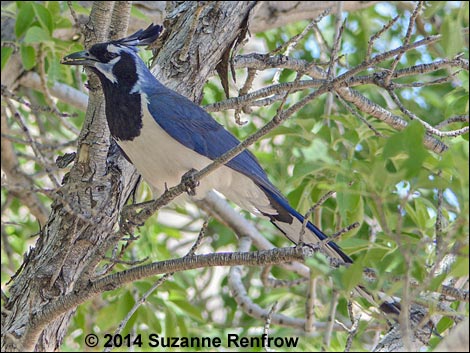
119	279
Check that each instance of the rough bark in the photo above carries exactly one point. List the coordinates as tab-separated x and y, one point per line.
269	14
80	221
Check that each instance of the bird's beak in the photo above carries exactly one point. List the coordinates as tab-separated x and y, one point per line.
79	58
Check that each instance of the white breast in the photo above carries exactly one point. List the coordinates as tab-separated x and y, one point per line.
162	161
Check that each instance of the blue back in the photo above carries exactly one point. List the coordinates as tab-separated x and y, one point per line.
193	127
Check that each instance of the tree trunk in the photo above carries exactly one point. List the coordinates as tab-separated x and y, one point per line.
84	215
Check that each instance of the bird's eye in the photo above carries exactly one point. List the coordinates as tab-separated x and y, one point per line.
109	55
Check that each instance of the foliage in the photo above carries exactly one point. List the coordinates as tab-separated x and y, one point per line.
390	185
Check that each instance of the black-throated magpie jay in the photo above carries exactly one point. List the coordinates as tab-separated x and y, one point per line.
165	135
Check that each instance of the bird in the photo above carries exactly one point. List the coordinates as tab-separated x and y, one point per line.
165	135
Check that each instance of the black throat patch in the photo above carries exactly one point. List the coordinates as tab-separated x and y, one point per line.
123	109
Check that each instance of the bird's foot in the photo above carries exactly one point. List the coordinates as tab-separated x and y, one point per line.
130	217
189	182
308	248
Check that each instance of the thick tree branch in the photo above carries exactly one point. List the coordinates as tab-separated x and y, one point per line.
118	279
64	250
61	91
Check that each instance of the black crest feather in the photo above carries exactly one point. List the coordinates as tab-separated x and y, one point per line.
141	37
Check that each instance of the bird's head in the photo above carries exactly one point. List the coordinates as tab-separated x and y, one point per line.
115	61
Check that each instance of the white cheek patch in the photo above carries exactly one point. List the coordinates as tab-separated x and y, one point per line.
107	69
141	78
113	48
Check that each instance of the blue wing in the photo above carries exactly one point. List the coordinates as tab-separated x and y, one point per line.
193	127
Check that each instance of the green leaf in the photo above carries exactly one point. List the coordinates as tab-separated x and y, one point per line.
79	9
182	326
460	267
458	107
24	19
62	22
44	17
354	243
390	166
28	56
452	36
444	324
432	7
6	53
352	276
135	12
54	9
53	71
349	198
408	142
152	321
437	281
36	35
170	319
419	271
189	309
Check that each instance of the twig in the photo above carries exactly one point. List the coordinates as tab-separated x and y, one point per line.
429	83
32	142
270	282
345	230
354	327
324	49
158	283
285	48
451	120
310	304
311	210
35	108
405	42
221	210
330	72
277	89
439	219
115	280
266	327
377	35
331	319
251	74
359	116
292	42
339	28
367	106
418	70
426	125
74	14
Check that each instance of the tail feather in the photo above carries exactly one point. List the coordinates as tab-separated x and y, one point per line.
290	222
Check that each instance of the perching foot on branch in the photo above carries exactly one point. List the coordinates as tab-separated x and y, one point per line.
189	182
130	216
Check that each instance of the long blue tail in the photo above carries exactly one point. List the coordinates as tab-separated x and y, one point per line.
289	222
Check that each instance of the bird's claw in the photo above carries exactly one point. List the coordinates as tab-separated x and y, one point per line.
189	182
128	217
